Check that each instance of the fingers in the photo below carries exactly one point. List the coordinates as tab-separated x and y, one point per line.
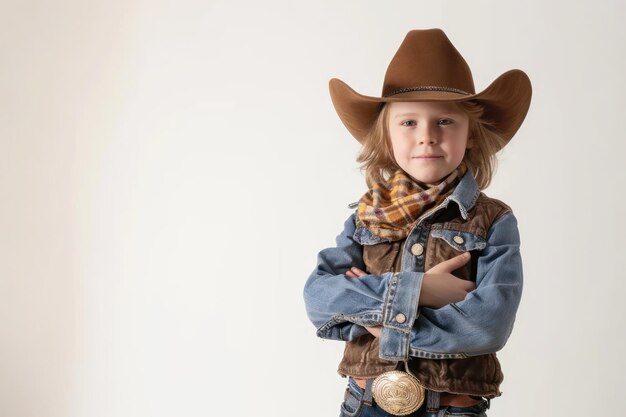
451	264
355	272
465	286
374	330
440	289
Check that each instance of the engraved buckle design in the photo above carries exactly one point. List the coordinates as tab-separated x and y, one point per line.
398	392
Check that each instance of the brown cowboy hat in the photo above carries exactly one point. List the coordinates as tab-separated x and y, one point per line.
427	67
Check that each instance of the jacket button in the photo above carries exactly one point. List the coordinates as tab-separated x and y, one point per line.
400	318
417	249
458	239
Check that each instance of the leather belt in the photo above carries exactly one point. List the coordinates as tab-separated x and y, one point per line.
401	393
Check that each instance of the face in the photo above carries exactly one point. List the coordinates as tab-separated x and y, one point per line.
428	138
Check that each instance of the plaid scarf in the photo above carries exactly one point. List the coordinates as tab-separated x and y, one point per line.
391	209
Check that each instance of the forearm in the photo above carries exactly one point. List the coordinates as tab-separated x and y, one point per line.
334	302
483	321
339	306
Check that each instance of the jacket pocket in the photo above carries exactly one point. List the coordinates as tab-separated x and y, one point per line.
446	242
460	240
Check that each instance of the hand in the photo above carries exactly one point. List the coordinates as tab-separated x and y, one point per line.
355	272
374	330
440	287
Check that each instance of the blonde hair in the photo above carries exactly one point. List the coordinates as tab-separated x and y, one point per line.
376	155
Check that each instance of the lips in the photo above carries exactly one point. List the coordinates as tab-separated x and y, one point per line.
427	157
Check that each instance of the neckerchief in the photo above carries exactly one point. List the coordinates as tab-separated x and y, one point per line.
389	210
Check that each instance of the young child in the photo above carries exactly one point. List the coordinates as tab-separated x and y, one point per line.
426	277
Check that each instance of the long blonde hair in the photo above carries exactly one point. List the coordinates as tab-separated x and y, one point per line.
376	156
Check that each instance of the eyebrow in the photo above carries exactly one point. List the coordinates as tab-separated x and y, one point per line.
403	115
417	114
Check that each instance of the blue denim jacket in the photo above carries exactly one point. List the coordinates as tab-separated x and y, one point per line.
339	306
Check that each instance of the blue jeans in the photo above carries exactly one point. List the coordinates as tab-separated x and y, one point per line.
354	406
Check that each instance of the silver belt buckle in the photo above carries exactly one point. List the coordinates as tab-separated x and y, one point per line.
398	392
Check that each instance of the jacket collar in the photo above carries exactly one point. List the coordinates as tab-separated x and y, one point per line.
465	194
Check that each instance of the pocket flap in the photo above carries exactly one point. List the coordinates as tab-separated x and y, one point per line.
459	240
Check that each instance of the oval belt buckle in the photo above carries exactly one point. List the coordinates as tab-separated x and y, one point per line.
398	392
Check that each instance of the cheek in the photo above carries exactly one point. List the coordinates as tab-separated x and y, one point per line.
460	144
455	151
399	144
400	149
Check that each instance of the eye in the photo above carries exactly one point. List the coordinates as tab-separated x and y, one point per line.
408	123
445	122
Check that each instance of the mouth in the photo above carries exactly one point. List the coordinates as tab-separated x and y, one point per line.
427	157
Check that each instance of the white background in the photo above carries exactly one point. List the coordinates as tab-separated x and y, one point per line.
170	169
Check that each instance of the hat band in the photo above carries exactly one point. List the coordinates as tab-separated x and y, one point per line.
427	88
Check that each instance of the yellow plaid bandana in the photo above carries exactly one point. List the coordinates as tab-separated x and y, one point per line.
390	210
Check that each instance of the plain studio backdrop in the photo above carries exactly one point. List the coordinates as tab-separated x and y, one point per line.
170	169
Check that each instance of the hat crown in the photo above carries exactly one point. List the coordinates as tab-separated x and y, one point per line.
427	58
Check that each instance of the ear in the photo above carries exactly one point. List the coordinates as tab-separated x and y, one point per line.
470	143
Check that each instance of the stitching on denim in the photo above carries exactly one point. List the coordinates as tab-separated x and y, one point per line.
434	355
391	291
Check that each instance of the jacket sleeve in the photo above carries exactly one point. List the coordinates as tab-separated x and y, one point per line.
339	306
483	321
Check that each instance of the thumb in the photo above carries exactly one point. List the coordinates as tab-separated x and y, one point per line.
451	264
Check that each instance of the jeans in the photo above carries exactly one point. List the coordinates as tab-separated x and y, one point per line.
354	406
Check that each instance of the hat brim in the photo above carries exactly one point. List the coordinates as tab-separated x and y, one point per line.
506	101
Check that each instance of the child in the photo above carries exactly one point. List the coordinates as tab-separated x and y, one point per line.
426	277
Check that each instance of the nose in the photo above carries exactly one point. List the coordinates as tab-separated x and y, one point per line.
427	135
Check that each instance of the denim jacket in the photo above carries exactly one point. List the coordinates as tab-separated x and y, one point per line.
340	306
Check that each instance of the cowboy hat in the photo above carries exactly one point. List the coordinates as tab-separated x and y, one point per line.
427	67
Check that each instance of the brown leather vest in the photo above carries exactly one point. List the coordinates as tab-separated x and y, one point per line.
474	375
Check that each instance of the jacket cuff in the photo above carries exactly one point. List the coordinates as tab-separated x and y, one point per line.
399	313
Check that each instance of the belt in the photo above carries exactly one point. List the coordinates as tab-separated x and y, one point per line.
433	400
